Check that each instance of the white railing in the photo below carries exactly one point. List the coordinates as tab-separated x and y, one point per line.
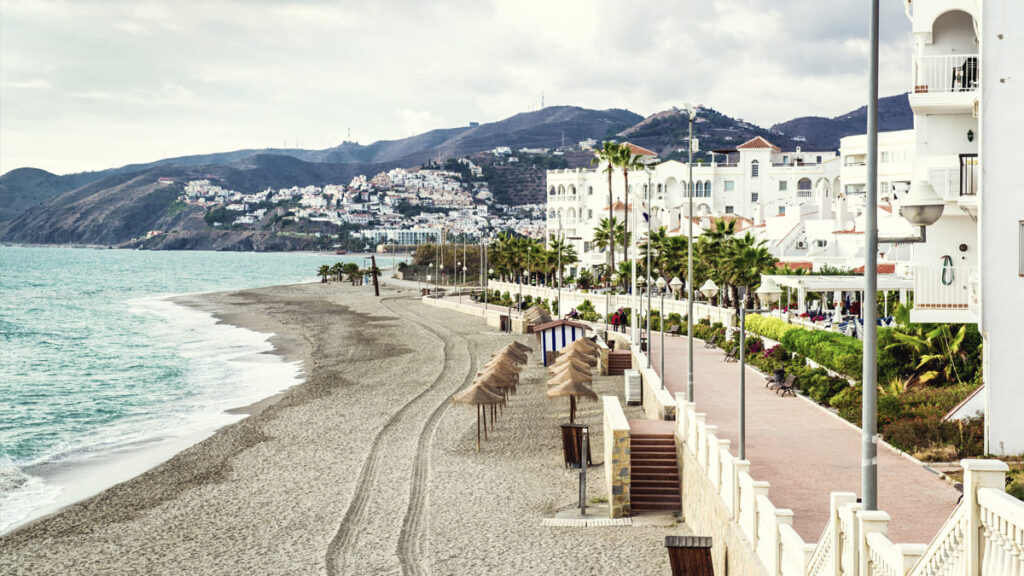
946	73
945	287
605	304
984	535
1002	524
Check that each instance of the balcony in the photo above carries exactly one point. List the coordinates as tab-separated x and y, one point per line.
945	294
945	83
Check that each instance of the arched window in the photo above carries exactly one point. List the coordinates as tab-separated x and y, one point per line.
699	189
686	189
551	192
561	190
572	189
753	169
803	188
590	190
707	188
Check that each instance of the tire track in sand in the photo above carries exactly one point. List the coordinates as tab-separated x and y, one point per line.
356	513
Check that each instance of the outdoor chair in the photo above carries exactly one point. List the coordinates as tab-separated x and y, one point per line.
709	343
786	386
731	354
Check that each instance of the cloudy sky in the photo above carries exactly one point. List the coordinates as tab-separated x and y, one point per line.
91	84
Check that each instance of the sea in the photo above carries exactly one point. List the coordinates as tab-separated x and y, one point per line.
102	378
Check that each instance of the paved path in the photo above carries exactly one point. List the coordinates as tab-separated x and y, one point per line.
803	451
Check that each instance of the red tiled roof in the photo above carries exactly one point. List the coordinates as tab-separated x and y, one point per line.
618	205
795	265
883	268
758	142
639	149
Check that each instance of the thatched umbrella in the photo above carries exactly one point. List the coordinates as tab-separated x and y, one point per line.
572	388
560	365
499	377
584	344
513	354
522	347
480	397
503	361
578	355
570	369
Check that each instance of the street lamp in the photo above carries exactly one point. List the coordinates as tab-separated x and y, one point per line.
689	262
640	283
458	264
661	325
709	289
768	293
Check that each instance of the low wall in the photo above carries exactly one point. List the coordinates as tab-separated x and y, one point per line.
658	403
492	316
616	457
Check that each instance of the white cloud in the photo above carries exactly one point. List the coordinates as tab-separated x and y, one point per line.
96	83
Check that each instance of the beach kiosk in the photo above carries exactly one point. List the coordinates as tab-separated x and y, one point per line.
556	335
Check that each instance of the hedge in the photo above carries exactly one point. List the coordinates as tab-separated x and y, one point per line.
769	327
843	354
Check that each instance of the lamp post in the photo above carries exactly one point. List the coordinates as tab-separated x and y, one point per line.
607	308
487	286
709	289
869	408
768	293
458	265
689	263
661	328
640	283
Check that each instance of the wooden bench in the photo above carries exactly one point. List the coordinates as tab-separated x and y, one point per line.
786	386
690	555
731	354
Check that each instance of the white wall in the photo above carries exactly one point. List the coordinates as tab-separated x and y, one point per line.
1002	211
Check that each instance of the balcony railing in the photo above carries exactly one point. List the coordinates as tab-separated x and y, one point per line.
946	73
945	287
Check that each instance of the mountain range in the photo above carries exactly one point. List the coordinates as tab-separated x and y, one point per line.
117	205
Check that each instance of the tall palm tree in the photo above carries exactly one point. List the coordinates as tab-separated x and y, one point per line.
608	235
607	154
351	269
747	260
562	254
336	271
626	160
324	271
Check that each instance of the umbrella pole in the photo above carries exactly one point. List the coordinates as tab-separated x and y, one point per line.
485	421
572	409
477	427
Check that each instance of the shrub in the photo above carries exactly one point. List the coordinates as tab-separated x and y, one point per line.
769	327
587	312
835	351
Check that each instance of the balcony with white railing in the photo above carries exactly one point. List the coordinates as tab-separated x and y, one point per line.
945	83
945	294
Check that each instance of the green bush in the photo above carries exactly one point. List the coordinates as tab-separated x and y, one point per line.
834	351
587	312
769	327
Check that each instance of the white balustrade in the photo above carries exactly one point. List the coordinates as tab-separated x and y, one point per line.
946	73
944	287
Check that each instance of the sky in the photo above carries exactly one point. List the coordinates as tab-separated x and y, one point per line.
94	84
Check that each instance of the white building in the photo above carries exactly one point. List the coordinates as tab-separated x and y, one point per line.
966	99
756	179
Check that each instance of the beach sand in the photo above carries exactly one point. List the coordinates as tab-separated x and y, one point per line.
365	468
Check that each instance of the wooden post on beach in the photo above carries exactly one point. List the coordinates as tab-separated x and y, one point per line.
373	272
477	427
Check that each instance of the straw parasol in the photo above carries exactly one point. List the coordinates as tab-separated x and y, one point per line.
568	360
578	355
522	347
480	397
570	368
499	377
536	315
584	344
512	353
572	388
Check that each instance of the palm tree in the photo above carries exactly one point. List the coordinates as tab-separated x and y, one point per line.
324	271
607	154
747	260
561	253
351	269
584	279
626	160
608	235
336	271
937	346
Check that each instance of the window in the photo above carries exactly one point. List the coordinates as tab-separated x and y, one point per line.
782	210
820	243
885	157
572	190
753	169
590	214
783	185
753	196
785	159
819	159
728	209
699	189
551	192
730	185
590	190
707	188
586	246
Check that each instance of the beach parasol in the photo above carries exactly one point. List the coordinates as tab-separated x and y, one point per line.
480	397
570	369
583	344
578	355
572	388
568	360
502	360
498	378
522	347
513	354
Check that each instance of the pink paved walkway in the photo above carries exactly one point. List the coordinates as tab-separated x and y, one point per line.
804	452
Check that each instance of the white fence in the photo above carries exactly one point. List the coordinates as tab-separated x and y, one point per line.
607	303
983	536
945	287
946	73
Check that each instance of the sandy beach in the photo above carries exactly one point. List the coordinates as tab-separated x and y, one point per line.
365	468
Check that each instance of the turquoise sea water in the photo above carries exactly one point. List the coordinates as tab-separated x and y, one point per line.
96	362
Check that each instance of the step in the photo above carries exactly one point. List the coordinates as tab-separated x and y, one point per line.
655	483
667	450
662	493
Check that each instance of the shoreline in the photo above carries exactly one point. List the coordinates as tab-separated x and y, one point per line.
89	476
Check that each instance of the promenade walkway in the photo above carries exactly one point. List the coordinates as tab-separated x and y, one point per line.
803	451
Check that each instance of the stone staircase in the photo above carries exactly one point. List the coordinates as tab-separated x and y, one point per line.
654	474
619	361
